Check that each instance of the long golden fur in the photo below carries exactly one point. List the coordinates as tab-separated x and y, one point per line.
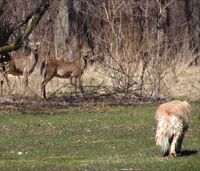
172	123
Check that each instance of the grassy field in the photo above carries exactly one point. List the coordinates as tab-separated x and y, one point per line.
91	138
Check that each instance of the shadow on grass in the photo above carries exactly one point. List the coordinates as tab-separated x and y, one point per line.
188	152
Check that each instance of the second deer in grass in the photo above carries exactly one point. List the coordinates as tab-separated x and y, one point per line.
64	69
22	65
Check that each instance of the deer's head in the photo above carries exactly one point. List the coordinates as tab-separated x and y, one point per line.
34	47
88	55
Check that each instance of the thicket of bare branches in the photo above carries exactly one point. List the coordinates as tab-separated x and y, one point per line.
136	42
17	24
140	40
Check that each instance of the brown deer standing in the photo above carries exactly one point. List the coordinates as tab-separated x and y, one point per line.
64	69
22	65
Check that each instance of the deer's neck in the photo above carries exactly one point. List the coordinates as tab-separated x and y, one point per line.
33	61
85	63
34	58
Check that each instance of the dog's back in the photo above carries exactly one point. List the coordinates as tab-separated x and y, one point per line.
179	109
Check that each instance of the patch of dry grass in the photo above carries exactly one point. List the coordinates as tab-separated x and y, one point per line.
185	83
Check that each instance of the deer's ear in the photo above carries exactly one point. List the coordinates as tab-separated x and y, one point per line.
31	44
38	43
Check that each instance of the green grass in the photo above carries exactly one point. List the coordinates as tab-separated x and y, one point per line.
95	138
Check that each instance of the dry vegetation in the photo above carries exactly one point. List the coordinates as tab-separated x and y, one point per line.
144	49
183	82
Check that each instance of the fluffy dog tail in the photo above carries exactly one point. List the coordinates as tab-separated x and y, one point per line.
172	120
167	127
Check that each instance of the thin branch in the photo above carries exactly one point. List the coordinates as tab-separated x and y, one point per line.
166	6
34	18
2	5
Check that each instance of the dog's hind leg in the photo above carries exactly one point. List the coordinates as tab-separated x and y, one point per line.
179	143
173	146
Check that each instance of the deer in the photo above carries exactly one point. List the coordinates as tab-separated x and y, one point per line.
60	68
22	65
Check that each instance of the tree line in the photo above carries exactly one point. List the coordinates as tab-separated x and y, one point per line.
135	41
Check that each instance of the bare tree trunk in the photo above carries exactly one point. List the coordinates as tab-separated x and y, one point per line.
188	14
161	46
157	60
72	22
78	26
61	31
2	4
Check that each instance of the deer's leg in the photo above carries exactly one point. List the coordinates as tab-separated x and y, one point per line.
74	84
1	86
26	88
44	83
25	80
19	79
7	82
1	83
81	85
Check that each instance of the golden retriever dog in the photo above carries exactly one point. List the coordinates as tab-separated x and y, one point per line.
172	123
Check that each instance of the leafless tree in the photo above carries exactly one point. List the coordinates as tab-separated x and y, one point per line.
14	33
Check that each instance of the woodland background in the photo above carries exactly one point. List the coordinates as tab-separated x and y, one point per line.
145	48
